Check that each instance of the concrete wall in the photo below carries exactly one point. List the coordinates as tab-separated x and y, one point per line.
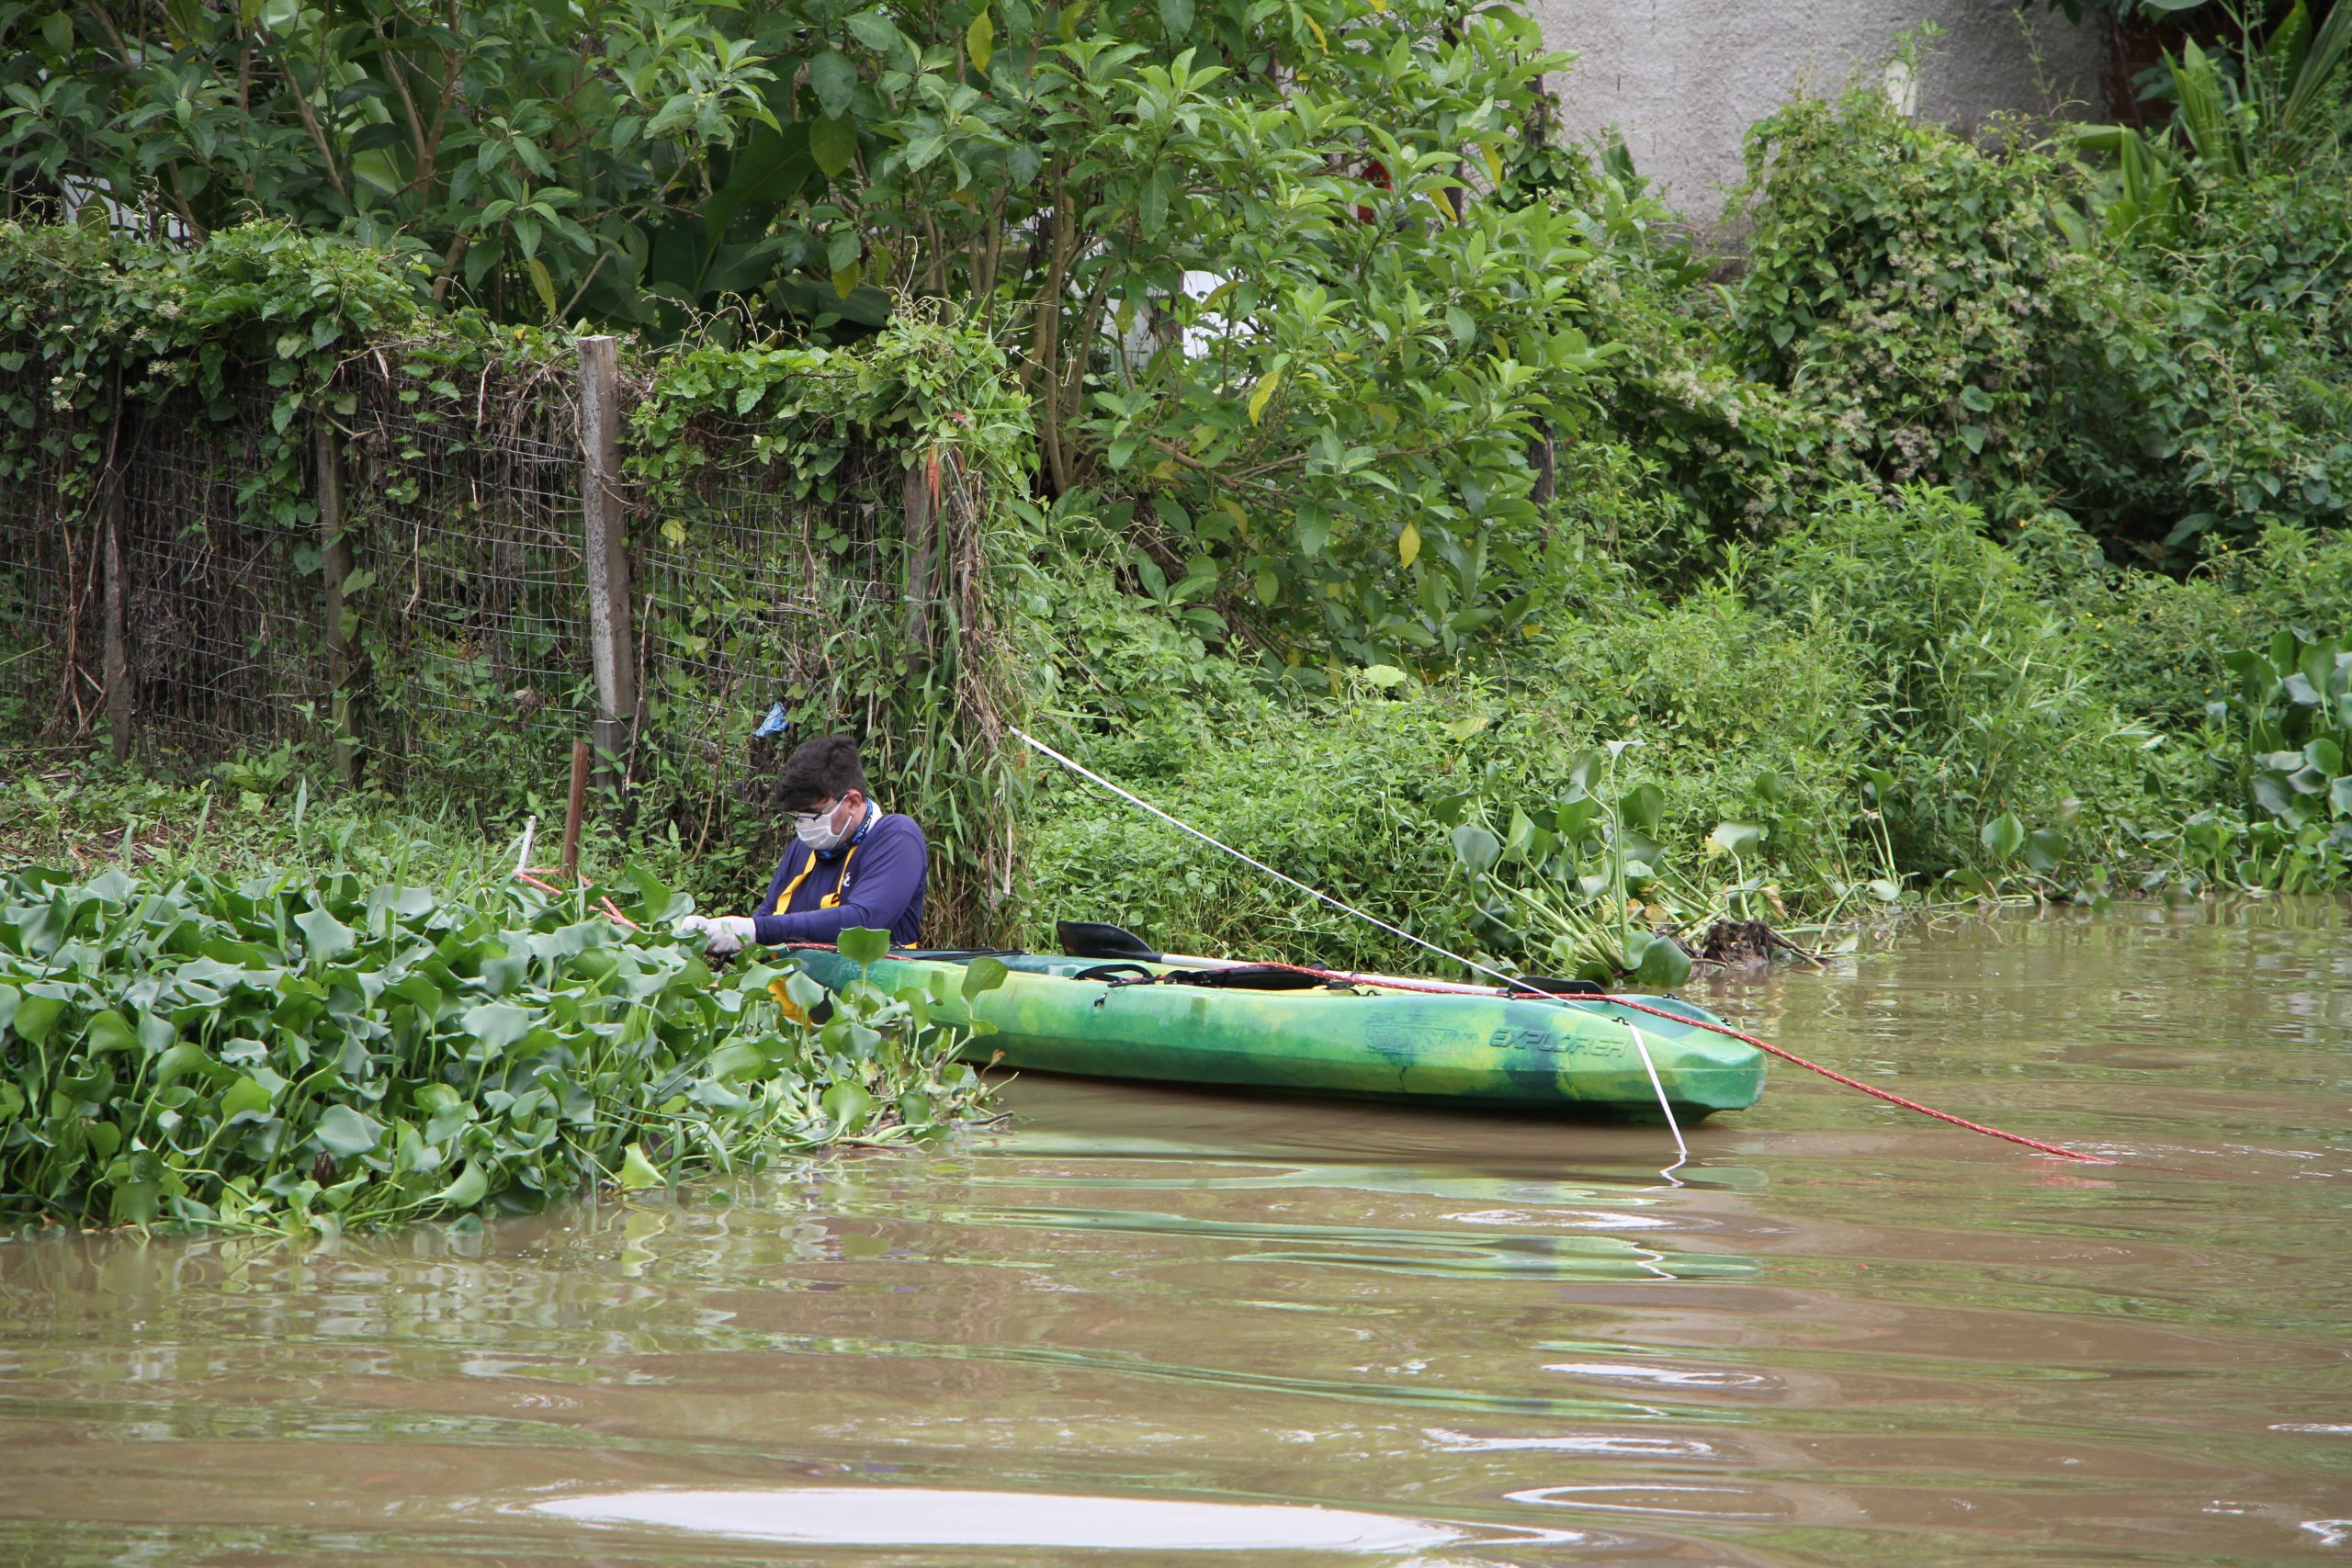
1684	79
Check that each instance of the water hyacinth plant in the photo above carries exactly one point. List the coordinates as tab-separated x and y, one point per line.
276	1055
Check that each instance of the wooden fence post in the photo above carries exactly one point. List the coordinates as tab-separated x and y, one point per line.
604	546
115	669
335	552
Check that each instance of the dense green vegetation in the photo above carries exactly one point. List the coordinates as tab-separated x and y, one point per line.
321	1051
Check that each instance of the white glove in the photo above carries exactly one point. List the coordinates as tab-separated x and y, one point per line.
723	935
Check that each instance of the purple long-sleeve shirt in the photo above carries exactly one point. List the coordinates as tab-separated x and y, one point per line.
882	889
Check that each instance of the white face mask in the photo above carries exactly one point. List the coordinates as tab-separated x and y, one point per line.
816	828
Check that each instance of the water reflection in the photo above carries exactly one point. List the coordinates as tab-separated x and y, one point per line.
916	1515
1850	1336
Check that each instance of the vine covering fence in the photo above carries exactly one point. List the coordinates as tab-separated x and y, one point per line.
394	584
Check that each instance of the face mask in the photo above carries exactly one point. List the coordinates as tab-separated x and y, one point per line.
815	830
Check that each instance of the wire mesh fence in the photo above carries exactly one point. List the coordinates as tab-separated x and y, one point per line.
466	668
465	522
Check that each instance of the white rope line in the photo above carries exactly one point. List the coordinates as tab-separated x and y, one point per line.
1509	983
1682	1149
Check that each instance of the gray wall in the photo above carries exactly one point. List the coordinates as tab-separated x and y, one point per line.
1685	79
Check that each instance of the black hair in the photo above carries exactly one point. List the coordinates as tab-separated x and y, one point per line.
825	767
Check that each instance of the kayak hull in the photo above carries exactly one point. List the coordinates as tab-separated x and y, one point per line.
1568	1056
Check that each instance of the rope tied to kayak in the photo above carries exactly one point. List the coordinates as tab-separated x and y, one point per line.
1513	985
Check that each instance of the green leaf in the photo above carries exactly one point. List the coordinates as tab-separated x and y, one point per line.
846	1106
498	1024
1385	676
2339	797
36	1017
1312	525
325	938
1664	965
2045	849
109	1030
1262	393
983	974
862	945
832	142
347	1133
1737	837
771	167
1477	848
466	1192
58	29
875	29
2005	835
834	80
638	1173
1643	806
541	284
244	1098
179	1061
980	39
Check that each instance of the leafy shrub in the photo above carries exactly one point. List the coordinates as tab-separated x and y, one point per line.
270	1055
1983	704
1906	285
1722	712
1937	309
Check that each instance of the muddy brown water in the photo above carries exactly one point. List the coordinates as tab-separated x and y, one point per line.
1139	1324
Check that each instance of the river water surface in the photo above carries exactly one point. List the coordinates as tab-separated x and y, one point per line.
1137	1325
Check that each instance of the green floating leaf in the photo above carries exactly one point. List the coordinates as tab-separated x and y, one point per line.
1664	965
347	1133
983	974
1737	837
327	938
862	945
1643	806
1477	848
846	1106
37	1019
246	1098
466	1192
638	1173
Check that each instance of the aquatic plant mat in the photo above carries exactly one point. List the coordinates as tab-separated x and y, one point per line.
266	1055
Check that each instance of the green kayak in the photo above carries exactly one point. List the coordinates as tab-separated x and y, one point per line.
1262	1028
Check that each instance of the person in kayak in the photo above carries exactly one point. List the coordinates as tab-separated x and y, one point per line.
850	864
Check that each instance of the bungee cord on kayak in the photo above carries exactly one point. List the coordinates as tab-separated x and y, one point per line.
1521	988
